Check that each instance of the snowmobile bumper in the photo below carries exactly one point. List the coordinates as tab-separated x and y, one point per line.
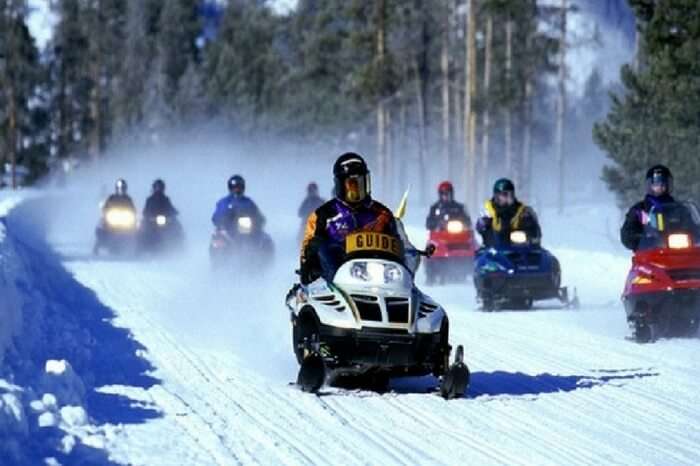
507	286
680	305
389	350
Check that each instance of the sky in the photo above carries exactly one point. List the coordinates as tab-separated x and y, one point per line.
41	20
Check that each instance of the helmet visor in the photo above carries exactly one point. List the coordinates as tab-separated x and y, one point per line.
658	184
357	188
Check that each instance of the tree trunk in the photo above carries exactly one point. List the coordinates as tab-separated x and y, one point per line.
421	130
381	110
95	100
526	157
561	109
486	129
523	179
445	68
457	103
389	141
469	97
12	133
509	107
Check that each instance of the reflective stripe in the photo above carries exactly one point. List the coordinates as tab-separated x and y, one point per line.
309	233
660	221
491	211
496	221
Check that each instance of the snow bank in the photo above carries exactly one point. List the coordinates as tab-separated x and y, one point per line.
52	354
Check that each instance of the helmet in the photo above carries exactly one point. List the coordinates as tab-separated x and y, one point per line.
236	185
445	189
158	186
504	192
120	187
659	180
503	185
312	189
352	179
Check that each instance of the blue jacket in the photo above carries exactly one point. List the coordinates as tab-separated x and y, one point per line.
229	208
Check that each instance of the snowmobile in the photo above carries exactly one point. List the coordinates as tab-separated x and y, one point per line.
453	259
117	231
371	321
242	244
514	275
662	291
160	233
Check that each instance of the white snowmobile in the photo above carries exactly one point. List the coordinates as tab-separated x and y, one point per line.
372	322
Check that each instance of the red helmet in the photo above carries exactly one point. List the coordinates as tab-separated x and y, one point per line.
446	189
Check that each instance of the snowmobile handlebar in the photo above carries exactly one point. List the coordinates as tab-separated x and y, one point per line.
429	251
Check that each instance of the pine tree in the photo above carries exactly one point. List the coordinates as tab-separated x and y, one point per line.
23	119
655	121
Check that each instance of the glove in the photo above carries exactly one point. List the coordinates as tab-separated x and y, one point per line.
484	224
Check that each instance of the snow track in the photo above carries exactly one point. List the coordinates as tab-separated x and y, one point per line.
548	386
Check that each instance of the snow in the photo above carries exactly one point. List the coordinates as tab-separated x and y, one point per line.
549	386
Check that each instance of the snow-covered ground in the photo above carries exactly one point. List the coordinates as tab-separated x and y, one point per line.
548	386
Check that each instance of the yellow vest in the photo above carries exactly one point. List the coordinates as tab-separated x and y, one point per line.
496	221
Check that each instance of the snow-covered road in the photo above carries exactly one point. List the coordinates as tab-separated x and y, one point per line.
548	386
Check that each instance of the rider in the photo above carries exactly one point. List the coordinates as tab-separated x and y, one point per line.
446	208
119	198
235	205
659	182
503	213
158	203
311	202
351	210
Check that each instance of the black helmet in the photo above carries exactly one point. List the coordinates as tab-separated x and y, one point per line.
352	179
503	185
120	187
659	180
312	189
236	185
504	192
158	186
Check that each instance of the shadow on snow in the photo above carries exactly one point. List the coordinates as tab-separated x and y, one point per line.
519	384
65	320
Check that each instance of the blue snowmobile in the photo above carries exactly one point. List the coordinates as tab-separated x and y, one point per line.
515	274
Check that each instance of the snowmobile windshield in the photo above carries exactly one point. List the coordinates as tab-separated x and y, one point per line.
674	225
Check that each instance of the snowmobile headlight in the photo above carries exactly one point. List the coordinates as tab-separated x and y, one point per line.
678	241
245	225
375	272
518	237
455	226
392	273
120	218
359	271
161	220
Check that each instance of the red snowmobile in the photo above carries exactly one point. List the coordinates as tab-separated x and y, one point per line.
455	246
662	292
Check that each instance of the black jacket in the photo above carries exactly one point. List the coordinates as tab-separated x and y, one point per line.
158	204
496	231
440	212
633	229
309	205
